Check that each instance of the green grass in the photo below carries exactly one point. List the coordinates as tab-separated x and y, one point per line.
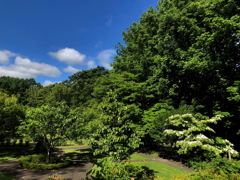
3	159
7	154
76	151
136	157
162	170
72	144
6	177
11	152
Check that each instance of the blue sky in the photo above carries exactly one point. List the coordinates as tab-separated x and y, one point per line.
50	40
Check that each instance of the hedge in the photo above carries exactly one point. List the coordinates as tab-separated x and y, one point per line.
30	162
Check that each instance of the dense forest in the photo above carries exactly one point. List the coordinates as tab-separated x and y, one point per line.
174	86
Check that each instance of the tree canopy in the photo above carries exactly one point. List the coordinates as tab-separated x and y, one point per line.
187	52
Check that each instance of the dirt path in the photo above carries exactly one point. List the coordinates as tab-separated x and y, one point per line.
75	172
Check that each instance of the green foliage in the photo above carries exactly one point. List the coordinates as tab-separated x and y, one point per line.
217	168
155	123
187	52
48	124
35	162
219	165
125	86
109	170
116	135
210	174
116	142
17	87
82	84
11	112
115	139
85	123
51	95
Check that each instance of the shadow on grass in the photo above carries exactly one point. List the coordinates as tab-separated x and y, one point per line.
6	177
83	154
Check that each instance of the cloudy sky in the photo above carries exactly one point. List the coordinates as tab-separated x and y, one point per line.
50	40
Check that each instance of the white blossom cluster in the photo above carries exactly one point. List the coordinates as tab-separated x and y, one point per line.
190	136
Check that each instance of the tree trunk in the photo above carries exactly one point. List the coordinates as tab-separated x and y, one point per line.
48	155
229	156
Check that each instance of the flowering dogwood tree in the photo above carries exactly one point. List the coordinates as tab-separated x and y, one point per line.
191	134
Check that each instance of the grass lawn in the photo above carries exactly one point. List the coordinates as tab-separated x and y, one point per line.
11	152
72	144
162	170
8	154
136	157
5	177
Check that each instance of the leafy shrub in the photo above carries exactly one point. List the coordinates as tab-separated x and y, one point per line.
36	162
217	168
106	169
219	165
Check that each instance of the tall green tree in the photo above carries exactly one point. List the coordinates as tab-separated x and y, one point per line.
187	52
82	85
51	94
32	94
125	86
17	87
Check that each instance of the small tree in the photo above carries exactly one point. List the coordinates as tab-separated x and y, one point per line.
116	137
49	124
191	135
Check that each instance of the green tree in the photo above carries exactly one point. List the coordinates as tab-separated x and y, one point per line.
82	84
51	94
32	94
11	112
47	123
187	52
17	87
126	88
116	135
115	139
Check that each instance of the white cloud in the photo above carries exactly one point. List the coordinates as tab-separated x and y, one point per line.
109	21
71	69
69	56
25	68
98	44
105	58
47	82
91	64
5	55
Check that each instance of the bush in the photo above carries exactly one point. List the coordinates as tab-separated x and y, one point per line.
217	168
35	162
218	164
106	169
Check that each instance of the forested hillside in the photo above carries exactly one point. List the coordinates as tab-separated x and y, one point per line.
174	86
